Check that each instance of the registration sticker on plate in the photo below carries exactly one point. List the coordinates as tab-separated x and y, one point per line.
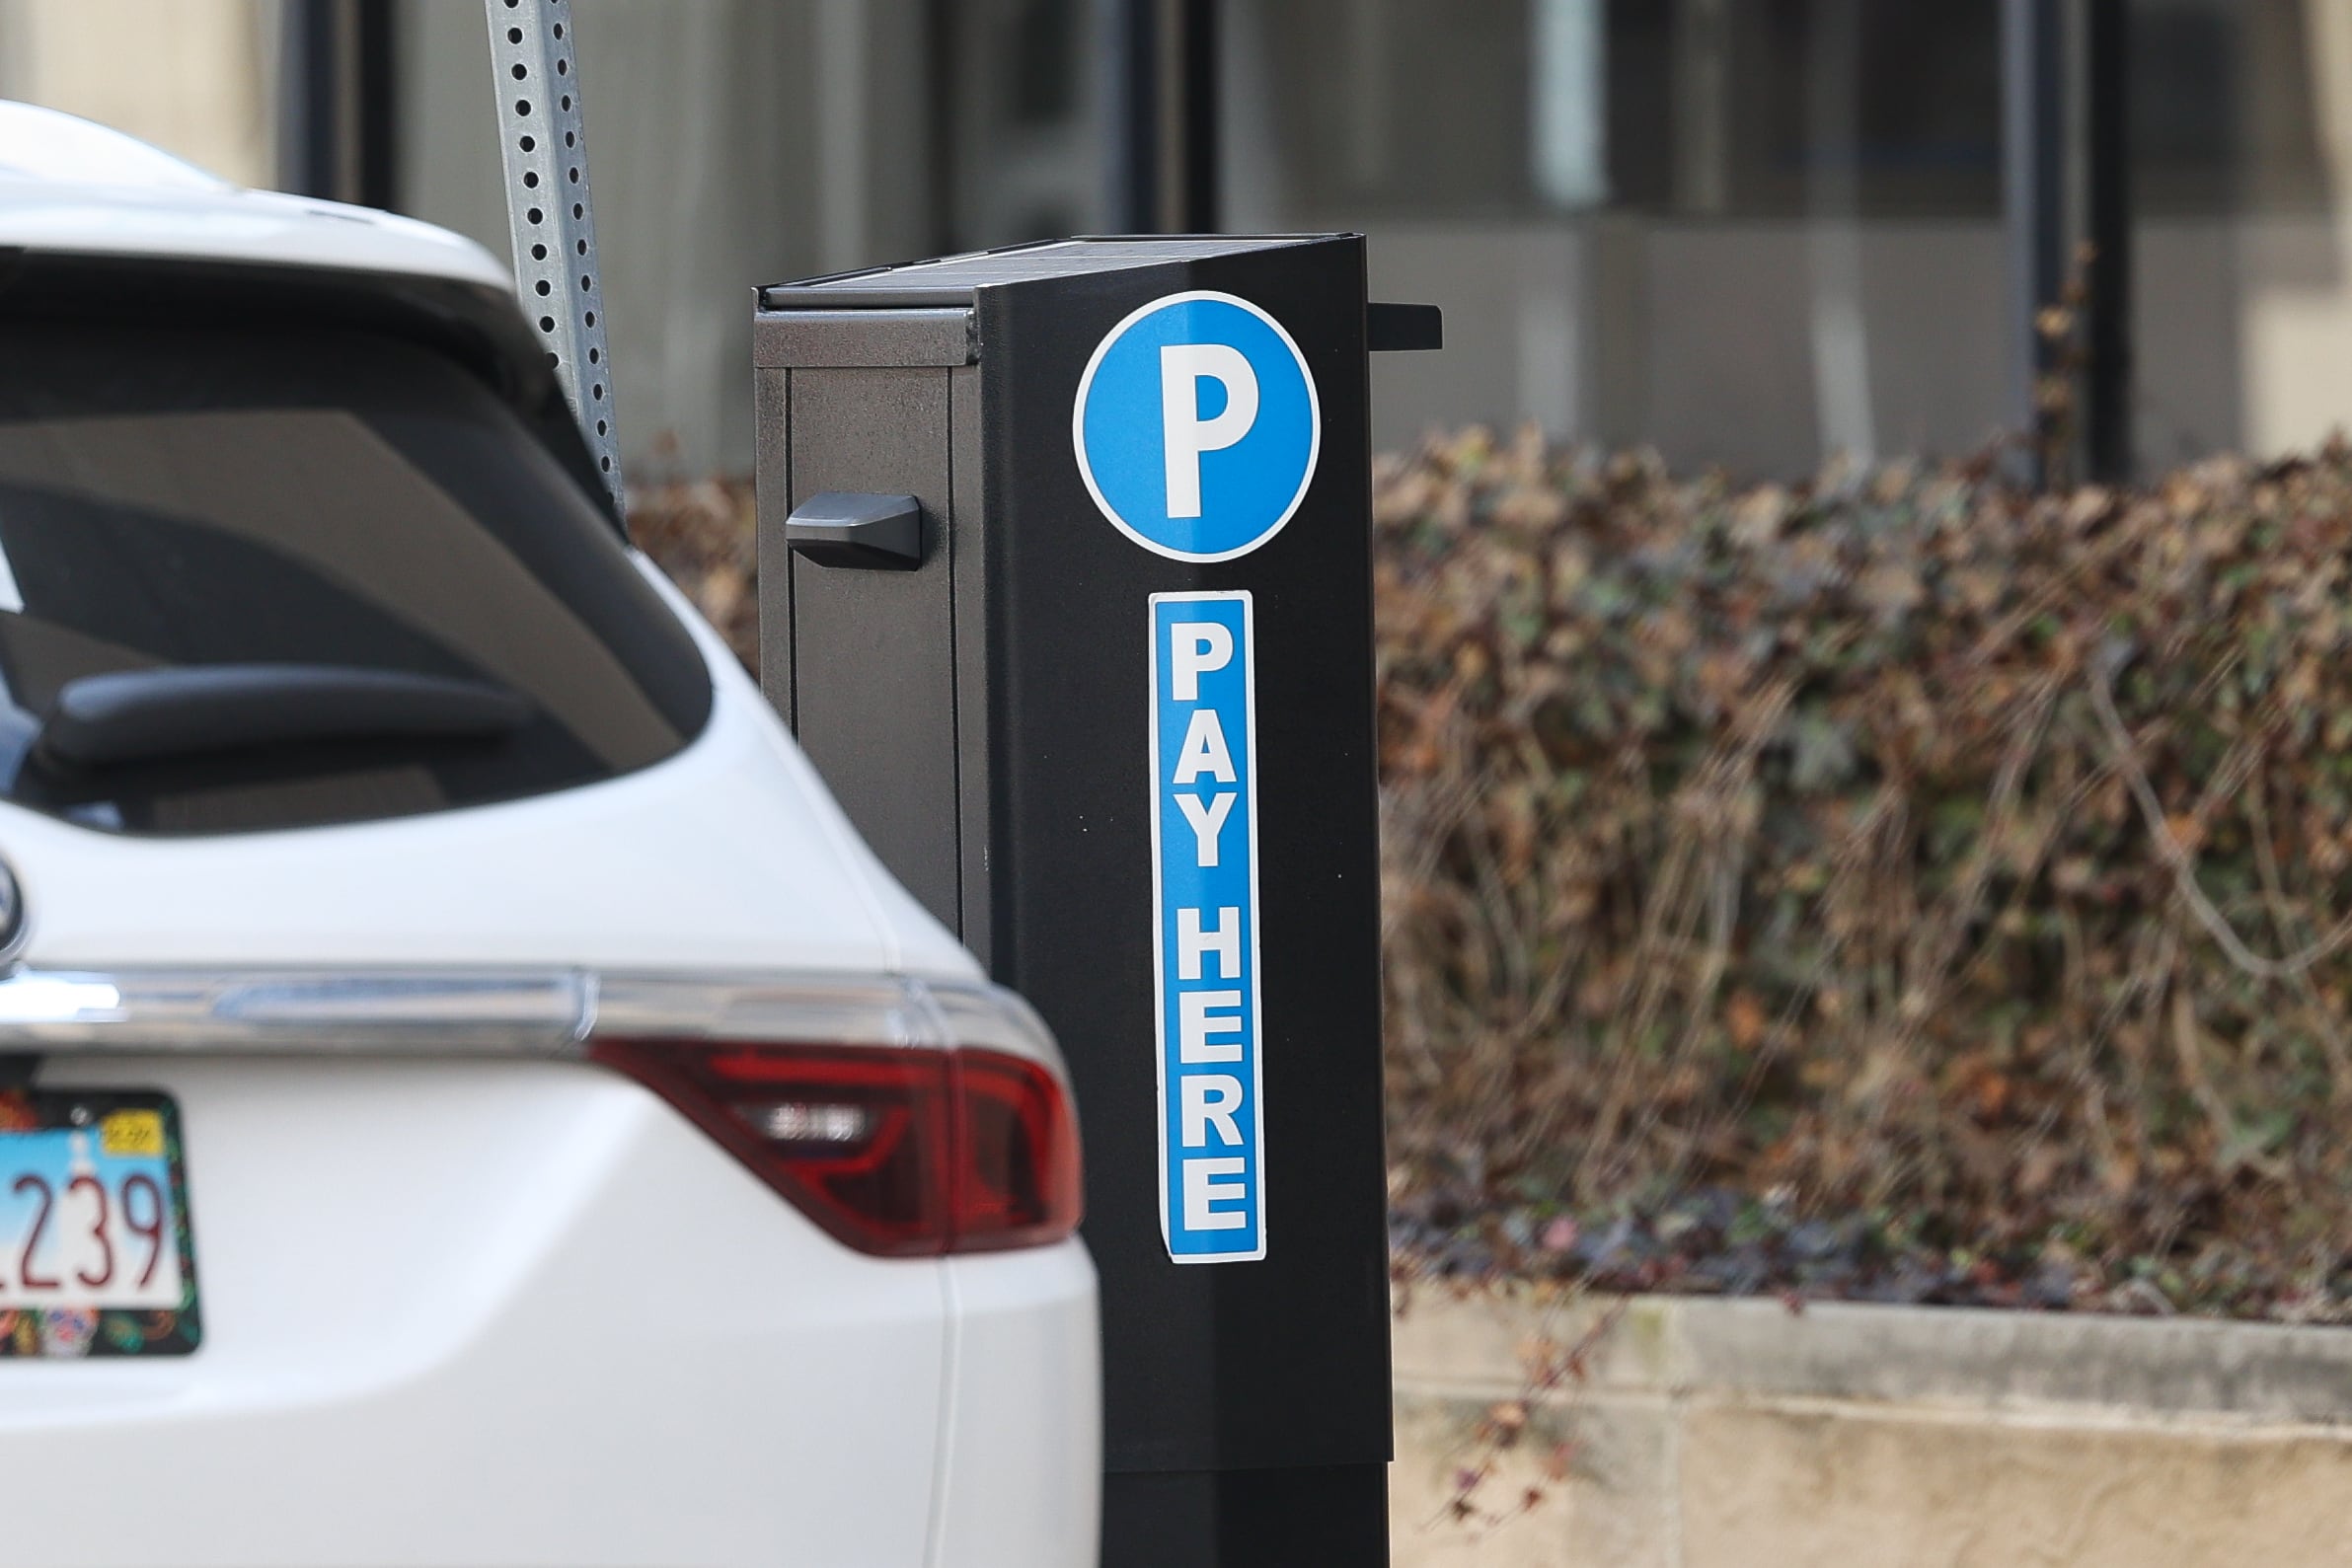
94	1257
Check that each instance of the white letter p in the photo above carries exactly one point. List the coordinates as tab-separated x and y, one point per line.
1196	648
1185	434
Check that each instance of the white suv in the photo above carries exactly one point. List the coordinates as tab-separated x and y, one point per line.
466	1096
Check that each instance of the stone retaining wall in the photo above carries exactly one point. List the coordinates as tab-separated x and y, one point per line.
1711	1433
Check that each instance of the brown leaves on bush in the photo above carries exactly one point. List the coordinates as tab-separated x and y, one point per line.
1902	845
702	536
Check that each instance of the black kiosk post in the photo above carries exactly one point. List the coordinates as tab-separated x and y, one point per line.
1065	586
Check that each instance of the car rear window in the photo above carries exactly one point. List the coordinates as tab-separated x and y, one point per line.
306	495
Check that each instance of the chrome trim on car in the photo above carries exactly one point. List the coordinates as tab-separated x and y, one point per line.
851	1010
176	1010
491	1012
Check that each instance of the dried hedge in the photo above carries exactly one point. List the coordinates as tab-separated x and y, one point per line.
1956	882
702	535
1893	886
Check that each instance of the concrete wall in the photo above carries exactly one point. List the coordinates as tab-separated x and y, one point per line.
1740	1434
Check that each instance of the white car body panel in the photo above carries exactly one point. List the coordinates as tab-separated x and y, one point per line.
1015	1493
67	185
477	1312
484	1330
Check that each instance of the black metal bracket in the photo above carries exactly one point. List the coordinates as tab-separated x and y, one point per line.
1395	328
872	533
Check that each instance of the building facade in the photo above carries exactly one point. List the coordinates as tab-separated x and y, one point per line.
1750	233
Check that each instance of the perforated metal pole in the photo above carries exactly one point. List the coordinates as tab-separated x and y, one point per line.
535	53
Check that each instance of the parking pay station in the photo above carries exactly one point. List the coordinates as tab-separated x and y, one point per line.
1065	586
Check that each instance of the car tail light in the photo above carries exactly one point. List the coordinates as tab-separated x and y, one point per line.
1016	1175
899	1151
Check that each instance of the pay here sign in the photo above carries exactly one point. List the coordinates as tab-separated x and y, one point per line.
1204	907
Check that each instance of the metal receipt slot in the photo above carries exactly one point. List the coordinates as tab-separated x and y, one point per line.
1065	586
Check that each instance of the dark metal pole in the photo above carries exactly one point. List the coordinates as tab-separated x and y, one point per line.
944	44
1129	33
2033	137
336	126
1194	186
376	158
2107	375
1161	80
308	70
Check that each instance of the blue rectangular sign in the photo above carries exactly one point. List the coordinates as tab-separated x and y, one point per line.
1204	927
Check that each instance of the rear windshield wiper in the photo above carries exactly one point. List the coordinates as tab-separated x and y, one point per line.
141	716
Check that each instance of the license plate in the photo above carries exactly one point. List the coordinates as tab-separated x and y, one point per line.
94	1257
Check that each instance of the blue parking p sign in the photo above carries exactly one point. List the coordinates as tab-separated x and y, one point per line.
1204	927
1196	426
